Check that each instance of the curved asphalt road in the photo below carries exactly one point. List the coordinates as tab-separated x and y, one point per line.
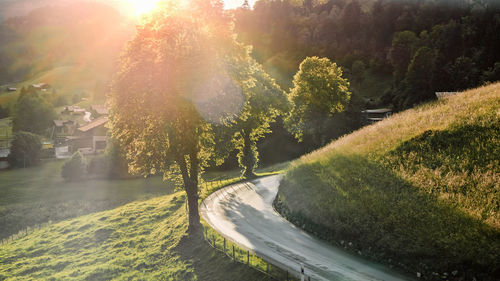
244	214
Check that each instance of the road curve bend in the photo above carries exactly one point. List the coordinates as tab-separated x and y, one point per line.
243	213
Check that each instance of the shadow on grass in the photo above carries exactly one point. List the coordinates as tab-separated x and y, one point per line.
346	199
209	264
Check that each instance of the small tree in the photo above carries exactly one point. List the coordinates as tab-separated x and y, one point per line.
25	150
264	101
319	92
32	113
74	168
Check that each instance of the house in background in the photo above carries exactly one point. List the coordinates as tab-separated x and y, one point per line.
62	129
90	138
99	110
4	153
73	110
442	95
371	116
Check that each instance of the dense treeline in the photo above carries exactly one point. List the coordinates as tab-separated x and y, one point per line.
395	53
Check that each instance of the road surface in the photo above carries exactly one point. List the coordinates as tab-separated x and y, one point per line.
243	213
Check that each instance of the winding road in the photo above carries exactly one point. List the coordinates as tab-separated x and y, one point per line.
243	213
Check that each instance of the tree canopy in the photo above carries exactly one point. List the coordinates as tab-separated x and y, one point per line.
25	150
263	102
319	92
32	113
180	77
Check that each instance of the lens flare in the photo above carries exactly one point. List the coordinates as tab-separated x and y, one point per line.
141	7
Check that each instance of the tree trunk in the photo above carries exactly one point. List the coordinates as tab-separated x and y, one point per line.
249	158
194	215
191	185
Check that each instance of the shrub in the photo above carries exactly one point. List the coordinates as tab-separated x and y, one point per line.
99	165
74	168
25	150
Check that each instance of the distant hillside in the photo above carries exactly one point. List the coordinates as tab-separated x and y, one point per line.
419	190
73	46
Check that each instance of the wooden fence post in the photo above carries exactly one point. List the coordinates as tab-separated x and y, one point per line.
224	245
248	257
234	258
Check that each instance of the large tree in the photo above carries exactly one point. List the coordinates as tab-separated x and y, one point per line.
319	92
178	80
264	101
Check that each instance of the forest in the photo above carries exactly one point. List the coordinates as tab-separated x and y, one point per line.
394	53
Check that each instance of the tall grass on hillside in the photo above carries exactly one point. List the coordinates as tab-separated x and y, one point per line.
420	190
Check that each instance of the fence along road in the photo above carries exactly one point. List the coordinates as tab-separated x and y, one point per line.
244	214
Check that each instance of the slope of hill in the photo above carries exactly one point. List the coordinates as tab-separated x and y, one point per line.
139	241
419	190
73	47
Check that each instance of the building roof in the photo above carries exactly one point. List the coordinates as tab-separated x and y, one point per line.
378	110
441	95
94	124
40	85
100	109
58	123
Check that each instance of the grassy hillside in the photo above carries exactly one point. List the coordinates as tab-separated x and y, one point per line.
38	194
419	190
139	241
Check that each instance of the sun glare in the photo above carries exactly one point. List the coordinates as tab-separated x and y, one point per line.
141	7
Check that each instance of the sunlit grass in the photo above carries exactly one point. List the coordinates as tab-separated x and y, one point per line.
142	241
419	190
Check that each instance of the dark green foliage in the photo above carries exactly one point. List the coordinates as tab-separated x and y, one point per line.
385	35
419	78
74	168
99	166
32	113
4	112
25	150
319	93
116	161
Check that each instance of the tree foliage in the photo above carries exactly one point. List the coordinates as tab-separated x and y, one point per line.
319	92
32	113
74	168
25	150
385	35
263	102
178	80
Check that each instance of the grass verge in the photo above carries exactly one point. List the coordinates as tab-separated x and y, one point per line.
419	191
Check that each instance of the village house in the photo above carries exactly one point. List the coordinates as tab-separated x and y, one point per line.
62	129
441	95
90	138
374	115
74	110
98	110
41	86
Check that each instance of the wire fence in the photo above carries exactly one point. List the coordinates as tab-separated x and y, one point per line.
238	254
24	232
246	257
